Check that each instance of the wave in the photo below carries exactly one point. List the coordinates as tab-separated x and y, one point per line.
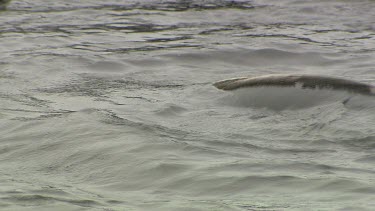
281	98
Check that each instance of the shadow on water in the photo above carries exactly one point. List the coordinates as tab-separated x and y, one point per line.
93	86
281	98
154	5
4	4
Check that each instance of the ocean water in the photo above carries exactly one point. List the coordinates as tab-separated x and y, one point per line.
109	105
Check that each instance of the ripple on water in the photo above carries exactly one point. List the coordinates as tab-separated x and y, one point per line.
109	105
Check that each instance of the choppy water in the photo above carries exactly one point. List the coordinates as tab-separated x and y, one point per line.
109	105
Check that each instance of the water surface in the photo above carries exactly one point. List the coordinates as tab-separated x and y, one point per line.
109	105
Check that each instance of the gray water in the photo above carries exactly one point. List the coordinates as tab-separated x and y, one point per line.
109	105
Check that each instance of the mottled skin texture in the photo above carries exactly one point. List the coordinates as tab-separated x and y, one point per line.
303	81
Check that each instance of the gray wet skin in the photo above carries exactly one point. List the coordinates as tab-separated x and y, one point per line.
304	81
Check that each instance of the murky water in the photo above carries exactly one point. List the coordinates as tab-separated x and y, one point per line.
110	106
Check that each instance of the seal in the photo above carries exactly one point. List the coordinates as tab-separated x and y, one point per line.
303	81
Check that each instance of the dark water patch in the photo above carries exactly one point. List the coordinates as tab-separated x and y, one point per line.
214	30
51	190
301	150
323	168
113	119
153	48
202	185
160	173
129	50
243	147
232	145
62	28
280	165
365	143
31	115
184	5
303	40
37	111
365	190
38	200
88	28
171	110
262	207
260	57
367	159
6	75
29	200
107	66
130	27
95	86
114	202
171	39
45	115
343	186
356	208
194	142
154	5
4	4
26	99
7	149
146	62
113	102
366	37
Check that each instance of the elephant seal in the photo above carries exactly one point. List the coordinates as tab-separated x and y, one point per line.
298	80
